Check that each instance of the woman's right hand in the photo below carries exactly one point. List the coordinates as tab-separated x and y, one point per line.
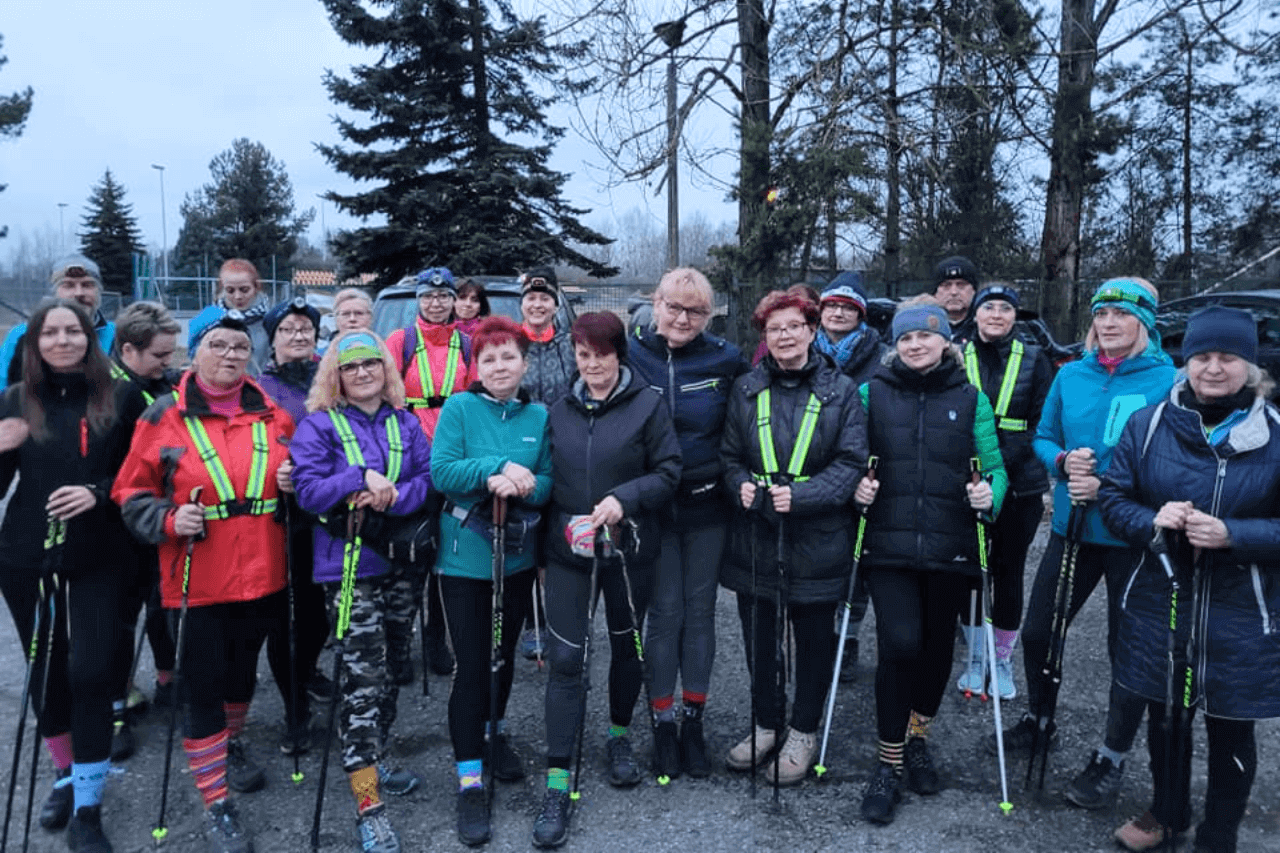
865	495
503	486
1080	462
383	492
747	494
1173	515
521	477
13	431
188	520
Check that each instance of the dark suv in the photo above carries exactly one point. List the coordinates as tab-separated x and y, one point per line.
1264	305
396	306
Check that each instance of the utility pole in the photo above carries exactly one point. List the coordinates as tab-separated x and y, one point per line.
164	231
672	35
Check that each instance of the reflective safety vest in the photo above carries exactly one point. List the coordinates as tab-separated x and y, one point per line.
228	505
769	455
351	447
1007	384
118	372
429	397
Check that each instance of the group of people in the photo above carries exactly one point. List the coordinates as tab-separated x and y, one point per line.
488	475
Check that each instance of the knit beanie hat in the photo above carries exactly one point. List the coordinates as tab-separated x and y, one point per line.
923	318
540	279
997	291
1221	329
846	287
297	305
435	278
956	266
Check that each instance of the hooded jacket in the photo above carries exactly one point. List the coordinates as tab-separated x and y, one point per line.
1026	475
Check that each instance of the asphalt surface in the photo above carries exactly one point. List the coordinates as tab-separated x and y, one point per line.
688	816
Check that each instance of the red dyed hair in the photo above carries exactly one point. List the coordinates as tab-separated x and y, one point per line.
239	265
779	300
602	331
496	331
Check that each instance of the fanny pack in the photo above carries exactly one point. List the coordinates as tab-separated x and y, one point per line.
624	538
404	539
521	527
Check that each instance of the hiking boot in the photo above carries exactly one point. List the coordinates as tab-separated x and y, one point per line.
883	794
473	816
376	832
244	776
1144	833
1004	679
509	767
1097	786
397	781
794	759
739	758
136	703
56	810
849	664
921	775
974	677
551	826
531	644
1023	734
84	833
122	740
666	751
296	740
623	770
223	831
693	748
1215	840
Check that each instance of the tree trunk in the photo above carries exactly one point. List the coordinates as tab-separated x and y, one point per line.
893	162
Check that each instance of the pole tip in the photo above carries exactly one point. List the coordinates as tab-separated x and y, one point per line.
819	769
575	796
296	776
159	833
1006	807
664	780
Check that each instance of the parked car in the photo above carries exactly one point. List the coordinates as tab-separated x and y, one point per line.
396	306
1264	305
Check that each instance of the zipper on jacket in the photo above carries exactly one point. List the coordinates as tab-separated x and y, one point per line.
671	380
920	462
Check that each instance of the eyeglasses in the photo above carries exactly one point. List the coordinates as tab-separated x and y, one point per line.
675	310
791	329
437	296
840	305
222	348
368	365
295	331
353	313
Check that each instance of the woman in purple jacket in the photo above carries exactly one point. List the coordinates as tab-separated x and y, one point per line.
362	449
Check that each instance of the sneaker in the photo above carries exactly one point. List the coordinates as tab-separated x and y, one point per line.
136	703
397	781
693	748
509	768
122	740
56	810
551	826
793	761
666	751
1023	734
739	758
223	830
84	833
320	688
1144	833
1098	785
849	664
163	698
296	740
376	832
623	770
1004	679
921	775
473	816
531	644
974	677
244	776
883	794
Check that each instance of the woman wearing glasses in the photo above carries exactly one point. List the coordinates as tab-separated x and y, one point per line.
694	371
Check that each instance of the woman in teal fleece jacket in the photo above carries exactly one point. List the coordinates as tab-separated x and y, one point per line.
490	443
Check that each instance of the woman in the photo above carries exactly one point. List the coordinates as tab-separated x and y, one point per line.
926	425
239	289
695	371
1123	370
352	310
786	466
64	430
1202	469
615	462
1015	378
293	328
490	446
470	306
360	447
202	477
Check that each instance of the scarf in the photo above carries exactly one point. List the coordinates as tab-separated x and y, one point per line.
841	351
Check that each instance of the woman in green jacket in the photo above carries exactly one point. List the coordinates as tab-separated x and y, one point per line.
490	446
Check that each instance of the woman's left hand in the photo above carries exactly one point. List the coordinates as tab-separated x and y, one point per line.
981	498
608	511
284	477
781	498
502	486
66	502
1206	531
1083	488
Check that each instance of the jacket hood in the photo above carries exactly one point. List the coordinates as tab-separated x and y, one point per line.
1249	434
628	386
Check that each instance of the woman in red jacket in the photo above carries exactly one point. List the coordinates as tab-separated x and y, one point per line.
222	435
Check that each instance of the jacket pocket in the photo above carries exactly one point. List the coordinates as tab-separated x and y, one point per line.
1259	595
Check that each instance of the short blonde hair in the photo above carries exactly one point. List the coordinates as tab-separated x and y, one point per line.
1144	339
326	388
349	293
688	280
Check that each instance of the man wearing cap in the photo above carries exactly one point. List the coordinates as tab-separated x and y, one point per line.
74	277
955	281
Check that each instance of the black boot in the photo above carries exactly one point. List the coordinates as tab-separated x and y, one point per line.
693	746
56	810
666	751
84	834
473	816
551	827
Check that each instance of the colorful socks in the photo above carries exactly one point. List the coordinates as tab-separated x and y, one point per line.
88	780
163	676
891	754
557	778
918	726
235	713
470	774
664	709
59	748
207	758
1005	641
364	785
616	730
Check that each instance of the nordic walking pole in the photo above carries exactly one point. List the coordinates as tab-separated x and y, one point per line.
161	830
576	794
32	650
751	659
537	620
989	632
821	767
58	533
645	670
424	601
499	545
350	562
780	631
296	776
1160	547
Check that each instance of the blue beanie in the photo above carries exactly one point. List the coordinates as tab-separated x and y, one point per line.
996	291
1221	329
922	317
847	287
434	278
297	305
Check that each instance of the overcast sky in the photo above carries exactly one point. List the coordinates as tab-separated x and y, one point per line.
124	84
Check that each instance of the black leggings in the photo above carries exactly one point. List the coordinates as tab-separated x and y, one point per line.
143	592
815	658
468	615
915	633
1011	537
311	630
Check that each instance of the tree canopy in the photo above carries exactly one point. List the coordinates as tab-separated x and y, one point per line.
111	236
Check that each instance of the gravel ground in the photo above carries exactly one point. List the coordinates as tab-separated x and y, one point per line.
716	814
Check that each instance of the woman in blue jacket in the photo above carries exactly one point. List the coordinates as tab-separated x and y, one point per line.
1123	370
490	444
1202	470
361	448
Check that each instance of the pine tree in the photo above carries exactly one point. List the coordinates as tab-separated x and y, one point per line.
111	235
14	109
457	143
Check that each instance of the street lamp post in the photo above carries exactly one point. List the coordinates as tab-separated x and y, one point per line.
672	35
324	235
62	230
164	230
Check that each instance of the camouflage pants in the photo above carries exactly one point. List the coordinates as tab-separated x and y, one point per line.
367	692
402	607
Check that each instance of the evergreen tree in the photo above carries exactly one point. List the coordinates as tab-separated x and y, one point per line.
448	99
111	235
14	109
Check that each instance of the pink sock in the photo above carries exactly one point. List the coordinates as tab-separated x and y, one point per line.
163	677
1005	641
235	713
59	747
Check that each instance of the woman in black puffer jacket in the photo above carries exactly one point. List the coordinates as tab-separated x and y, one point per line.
809	492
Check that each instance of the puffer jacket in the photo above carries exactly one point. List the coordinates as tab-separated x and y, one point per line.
1026	475
624	446
551	369
818	528
926	428
1236	590
436	337
241	557
1088	407
694	381
323	477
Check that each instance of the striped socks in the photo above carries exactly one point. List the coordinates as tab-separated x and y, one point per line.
235	713
207	758
470	774
891	754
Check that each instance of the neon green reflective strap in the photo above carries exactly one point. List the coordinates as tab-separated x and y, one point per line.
1007	383
118	372
209	456
350	561
424	366
395	449
768	455
351	447
253	503
258	473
